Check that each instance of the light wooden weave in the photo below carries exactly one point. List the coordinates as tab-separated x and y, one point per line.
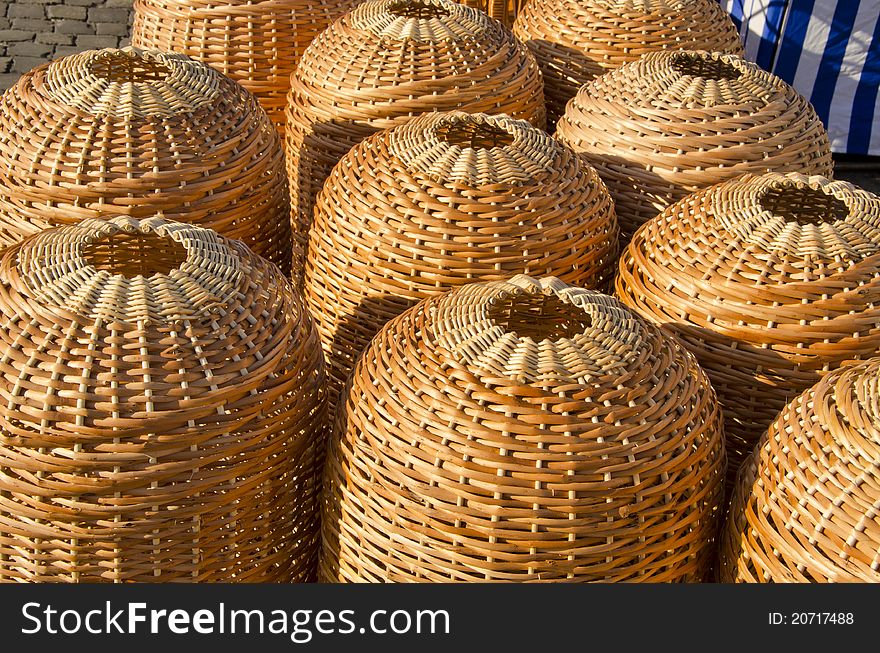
578	40
161	409
257	43
523	431
770	280
674	122
441	201
389	60
503	10
805	507
136	133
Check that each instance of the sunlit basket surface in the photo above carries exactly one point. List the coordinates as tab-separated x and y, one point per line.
255	42
162	409
136	133
805	507
770	280
503	10
389	60
674	122
442	201
523	431
578	40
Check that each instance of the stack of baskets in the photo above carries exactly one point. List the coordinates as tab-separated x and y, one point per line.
578	40
382	64
133	133
672	123
770	280
257	43
523	430
444	200
163	409
170	300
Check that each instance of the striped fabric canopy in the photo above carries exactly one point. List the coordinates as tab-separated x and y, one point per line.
829	50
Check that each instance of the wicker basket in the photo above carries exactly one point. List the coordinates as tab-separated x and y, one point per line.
255	42
136	133
770	280
805	507
503	10
523	431
442	201
675	122
162	409
578	40
389	60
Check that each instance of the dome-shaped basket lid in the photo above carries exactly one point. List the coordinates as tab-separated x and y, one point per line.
420	20
390	57
786	241
611	32
129	83
136	324
685	86
547	335
812	487
111	123
475	150
852	419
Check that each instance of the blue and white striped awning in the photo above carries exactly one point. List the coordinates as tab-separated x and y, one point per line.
829	50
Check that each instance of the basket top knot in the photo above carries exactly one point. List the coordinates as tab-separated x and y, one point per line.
421	20
769	229
670	81
129	82
127	270
474	149
544	333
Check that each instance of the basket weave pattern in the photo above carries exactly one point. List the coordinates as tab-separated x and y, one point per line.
503	10
805	507
442	201
389	60
162	409
675	122
770	280
258	43
523	431
575	41
134	133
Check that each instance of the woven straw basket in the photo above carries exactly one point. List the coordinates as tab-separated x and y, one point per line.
442	201
675	122
503	10
389	60
805	507
162	409
770	280
578	40
255	42
135	133
523	431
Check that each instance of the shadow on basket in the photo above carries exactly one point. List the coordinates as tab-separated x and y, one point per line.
317	151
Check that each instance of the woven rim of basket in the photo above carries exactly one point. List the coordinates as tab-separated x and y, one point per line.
420	20
767	212
599	338
856	391
128	82
54	268
671	80
474	149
